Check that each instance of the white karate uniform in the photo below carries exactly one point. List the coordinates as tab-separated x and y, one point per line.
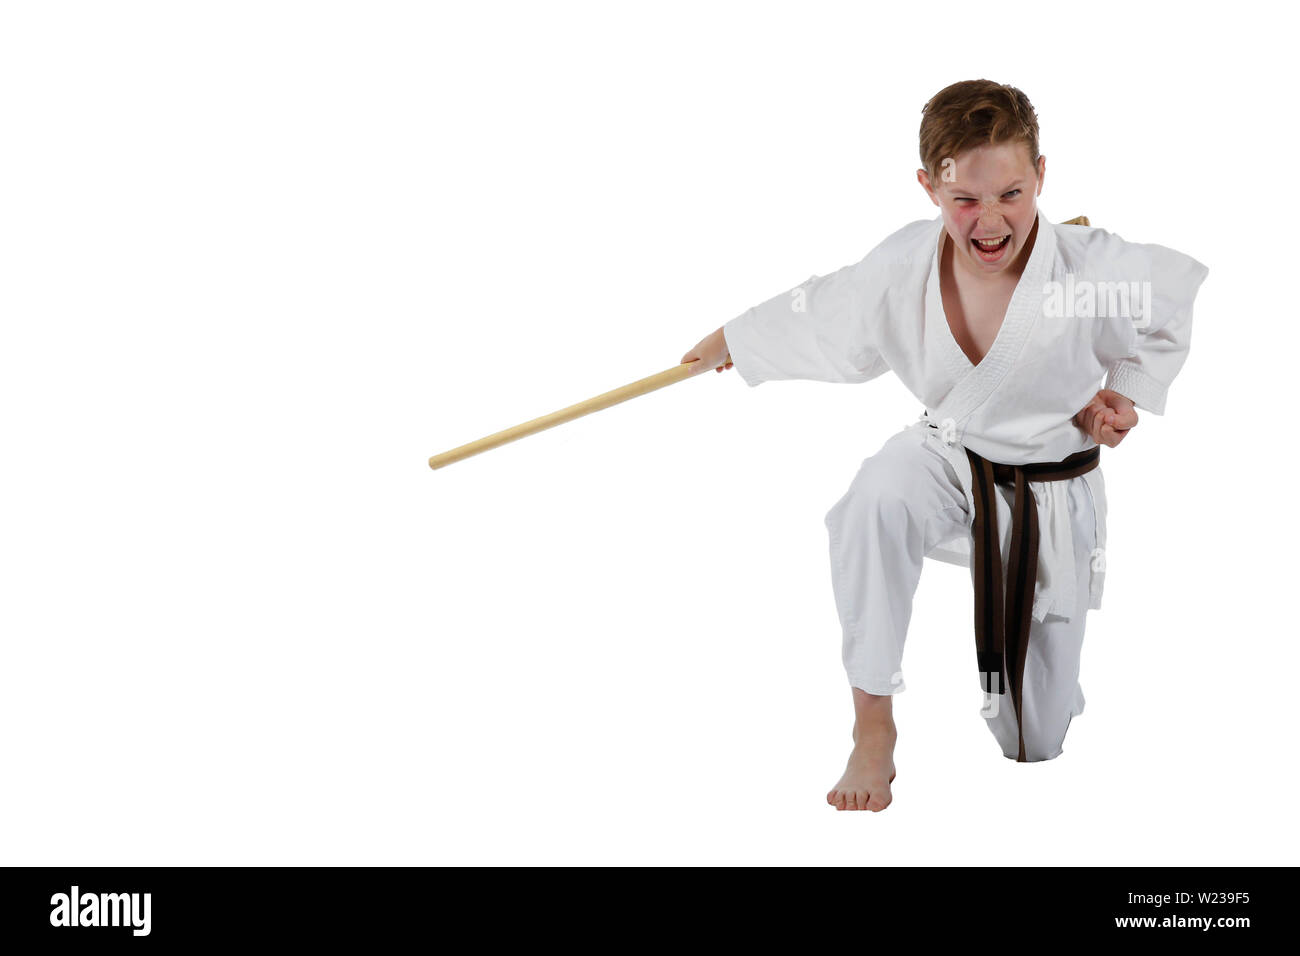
915	498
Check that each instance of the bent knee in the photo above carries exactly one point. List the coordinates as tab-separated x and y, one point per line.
904	481
888	490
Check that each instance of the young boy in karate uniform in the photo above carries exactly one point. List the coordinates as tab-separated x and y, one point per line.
1003	325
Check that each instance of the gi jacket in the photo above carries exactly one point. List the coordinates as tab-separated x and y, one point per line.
1090	308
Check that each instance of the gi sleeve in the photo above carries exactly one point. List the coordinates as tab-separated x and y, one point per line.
821	330
1160	334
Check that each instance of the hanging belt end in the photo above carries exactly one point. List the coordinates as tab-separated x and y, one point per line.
992	682
992	677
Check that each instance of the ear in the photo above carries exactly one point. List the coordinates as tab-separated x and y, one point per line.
1042	173
923	178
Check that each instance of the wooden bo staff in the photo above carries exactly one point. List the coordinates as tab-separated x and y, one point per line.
640	387
668	376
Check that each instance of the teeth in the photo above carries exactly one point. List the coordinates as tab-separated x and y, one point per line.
991	243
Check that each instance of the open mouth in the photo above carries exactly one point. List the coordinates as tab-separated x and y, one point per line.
990	250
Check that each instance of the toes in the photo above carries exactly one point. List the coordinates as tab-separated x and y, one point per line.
860	799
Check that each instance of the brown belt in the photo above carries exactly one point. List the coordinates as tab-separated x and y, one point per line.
1002	626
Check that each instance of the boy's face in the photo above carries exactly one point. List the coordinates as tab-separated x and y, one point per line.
988	193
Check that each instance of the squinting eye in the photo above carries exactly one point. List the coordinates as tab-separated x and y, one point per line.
1014	192
964	199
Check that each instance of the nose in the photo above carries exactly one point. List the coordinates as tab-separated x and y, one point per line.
990	220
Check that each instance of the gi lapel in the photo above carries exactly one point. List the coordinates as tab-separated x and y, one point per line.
981	381
937	332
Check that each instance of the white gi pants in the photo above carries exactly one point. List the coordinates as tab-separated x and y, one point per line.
904	501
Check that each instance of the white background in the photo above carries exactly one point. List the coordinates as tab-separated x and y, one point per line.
259	261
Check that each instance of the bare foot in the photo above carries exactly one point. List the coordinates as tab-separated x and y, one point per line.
870	770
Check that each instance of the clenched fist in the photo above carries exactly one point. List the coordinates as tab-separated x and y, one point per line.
1107	418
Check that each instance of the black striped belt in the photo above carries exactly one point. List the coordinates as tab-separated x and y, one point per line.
1002	623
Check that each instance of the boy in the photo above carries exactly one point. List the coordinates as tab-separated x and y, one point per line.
1003	325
